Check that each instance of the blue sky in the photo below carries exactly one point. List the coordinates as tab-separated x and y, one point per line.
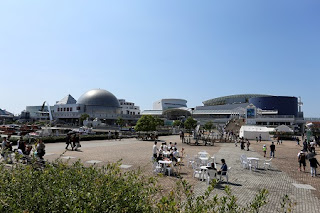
147	50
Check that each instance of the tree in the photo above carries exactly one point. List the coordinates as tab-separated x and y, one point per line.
120	122
158	121
176	123
83	117
148	123
209	125
190	123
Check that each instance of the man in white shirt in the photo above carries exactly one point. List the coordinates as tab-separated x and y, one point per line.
155	149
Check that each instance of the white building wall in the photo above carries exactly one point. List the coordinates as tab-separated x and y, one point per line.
128	108
165	104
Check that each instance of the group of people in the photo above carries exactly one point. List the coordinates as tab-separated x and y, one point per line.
308	152
243	142
158	153
302	156
73	139
272	150
23	149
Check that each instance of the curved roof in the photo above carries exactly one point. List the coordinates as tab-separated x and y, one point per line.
99	97
224	99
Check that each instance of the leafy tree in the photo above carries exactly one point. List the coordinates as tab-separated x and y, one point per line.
176	123
120	122
148	123
158	121
190	123
209	125
83	117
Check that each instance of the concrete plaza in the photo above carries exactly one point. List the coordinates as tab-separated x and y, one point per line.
283	178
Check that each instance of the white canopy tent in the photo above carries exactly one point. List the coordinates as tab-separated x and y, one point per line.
283	128
251	132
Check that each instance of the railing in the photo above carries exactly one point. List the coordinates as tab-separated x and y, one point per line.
312	119
275	116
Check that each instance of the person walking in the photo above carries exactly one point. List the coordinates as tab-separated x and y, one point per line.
77	141
264	149
68	141
248	144
302	160
313	166
260	138
272	150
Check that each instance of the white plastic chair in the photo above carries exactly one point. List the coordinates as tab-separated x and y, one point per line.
196	170
225	174
267	163
244	161
253	164
190	161
156	168
211	174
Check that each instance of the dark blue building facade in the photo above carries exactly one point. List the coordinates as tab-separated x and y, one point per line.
284	104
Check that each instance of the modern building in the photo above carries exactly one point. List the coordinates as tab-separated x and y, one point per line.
171	109
97	103
5	115
128	108
256	109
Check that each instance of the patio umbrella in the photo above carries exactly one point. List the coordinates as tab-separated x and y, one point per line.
310	155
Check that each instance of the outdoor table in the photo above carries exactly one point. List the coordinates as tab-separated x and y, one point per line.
204	160
165	163
254	159
203	170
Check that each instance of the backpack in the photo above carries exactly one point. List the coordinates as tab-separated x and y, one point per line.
302	157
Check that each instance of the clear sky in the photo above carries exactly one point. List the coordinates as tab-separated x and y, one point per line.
143	51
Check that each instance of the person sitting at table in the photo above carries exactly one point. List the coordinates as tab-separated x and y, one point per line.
160	157
175	145
172	158
223	168
212	166
165	147
170	146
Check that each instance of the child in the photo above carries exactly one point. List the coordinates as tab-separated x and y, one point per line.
264	149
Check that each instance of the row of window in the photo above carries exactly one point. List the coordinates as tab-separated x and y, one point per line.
125	103
131	113
67	109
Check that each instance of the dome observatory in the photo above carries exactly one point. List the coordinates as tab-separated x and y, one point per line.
100	101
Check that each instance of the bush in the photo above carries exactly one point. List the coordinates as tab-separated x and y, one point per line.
60	187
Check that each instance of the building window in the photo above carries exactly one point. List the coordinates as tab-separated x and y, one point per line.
64	109
58	109
70	109
78	108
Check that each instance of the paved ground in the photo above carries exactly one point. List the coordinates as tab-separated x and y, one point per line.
244	183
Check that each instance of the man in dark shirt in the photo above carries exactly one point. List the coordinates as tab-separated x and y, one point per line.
223	168
272	150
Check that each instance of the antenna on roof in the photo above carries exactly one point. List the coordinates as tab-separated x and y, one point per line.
300	103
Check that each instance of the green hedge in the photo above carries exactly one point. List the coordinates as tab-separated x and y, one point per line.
59	187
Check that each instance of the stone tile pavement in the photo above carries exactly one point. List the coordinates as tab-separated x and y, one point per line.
243	183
